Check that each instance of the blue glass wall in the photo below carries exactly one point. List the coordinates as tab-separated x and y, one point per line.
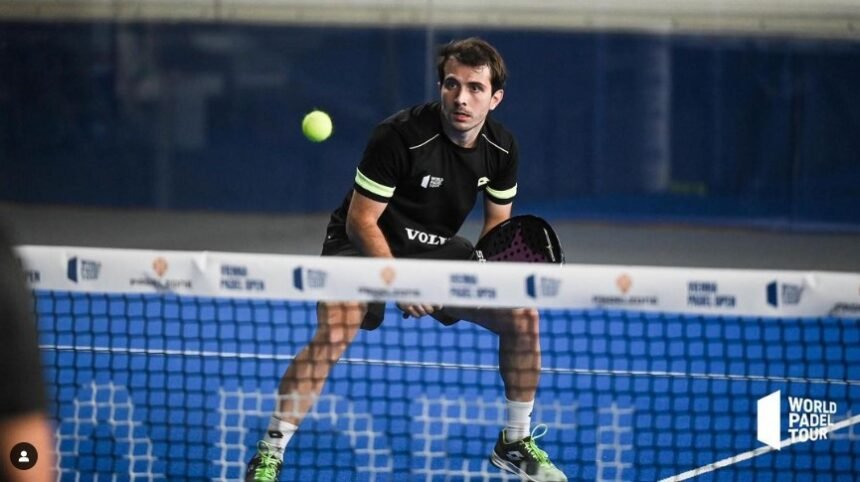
612	126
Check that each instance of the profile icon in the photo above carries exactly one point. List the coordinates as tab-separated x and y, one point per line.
24	456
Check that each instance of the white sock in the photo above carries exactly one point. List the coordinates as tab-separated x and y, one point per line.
519	420
279	433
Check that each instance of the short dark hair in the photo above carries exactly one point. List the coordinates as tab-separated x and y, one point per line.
474	52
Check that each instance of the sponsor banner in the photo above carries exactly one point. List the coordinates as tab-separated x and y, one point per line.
452	283
110	270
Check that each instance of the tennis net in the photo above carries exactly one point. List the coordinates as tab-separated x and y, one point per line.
165	366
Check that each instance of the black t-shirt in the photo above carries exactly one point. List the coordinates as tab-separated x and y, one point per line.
429	183
21	383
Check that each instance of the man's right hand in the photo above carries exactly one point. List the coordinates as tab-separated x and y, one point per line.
417	310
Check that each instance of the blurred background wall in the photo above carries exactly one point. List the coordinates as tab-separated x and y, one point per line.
722	112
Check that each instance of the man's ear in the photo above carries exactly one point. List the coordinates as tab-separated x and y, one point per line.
497	98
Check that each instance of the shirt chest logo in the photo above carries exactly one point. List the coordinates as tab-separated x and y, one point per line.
425	238
429	181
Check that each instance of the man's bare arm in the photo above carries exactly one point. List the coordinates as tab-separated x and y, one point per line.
495	214
362	229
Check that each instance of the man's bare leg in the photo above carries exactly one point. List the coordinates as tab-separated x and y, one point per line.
305	377
302	383
516	450
519	346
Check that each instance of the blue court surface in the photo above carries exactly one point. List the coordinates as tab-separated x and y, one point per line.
160	387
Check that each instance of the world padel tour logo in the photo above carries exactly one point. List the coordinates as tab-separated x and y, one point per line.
306	278
783	294
83	269
542	286
808	419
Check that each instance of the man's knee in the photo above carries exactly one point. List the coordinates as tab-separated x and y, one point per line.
338	321
525	322
520	322
334	311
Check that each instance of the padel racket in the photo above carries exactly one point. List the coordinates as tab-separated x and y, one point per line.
525	239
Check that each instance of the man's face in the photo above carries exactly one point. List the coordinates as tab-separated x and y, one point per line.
467	97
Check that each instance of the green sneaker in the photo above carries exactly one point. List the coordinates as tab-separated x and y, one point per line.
265	466
526	459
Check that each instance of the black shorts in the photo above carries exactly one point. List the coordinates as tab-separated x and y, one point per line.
456	248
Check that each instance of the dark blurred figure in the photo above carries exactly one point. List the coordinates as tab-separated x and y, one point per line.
23	405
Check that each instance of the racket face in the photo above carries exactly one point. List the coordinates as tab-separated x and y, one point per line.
526	239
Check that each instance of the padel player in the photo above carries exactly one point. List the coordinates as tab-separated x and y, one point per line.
419	178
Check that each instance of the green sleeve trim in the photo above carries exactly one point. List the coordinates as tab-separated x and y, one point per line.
372	186
506	194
